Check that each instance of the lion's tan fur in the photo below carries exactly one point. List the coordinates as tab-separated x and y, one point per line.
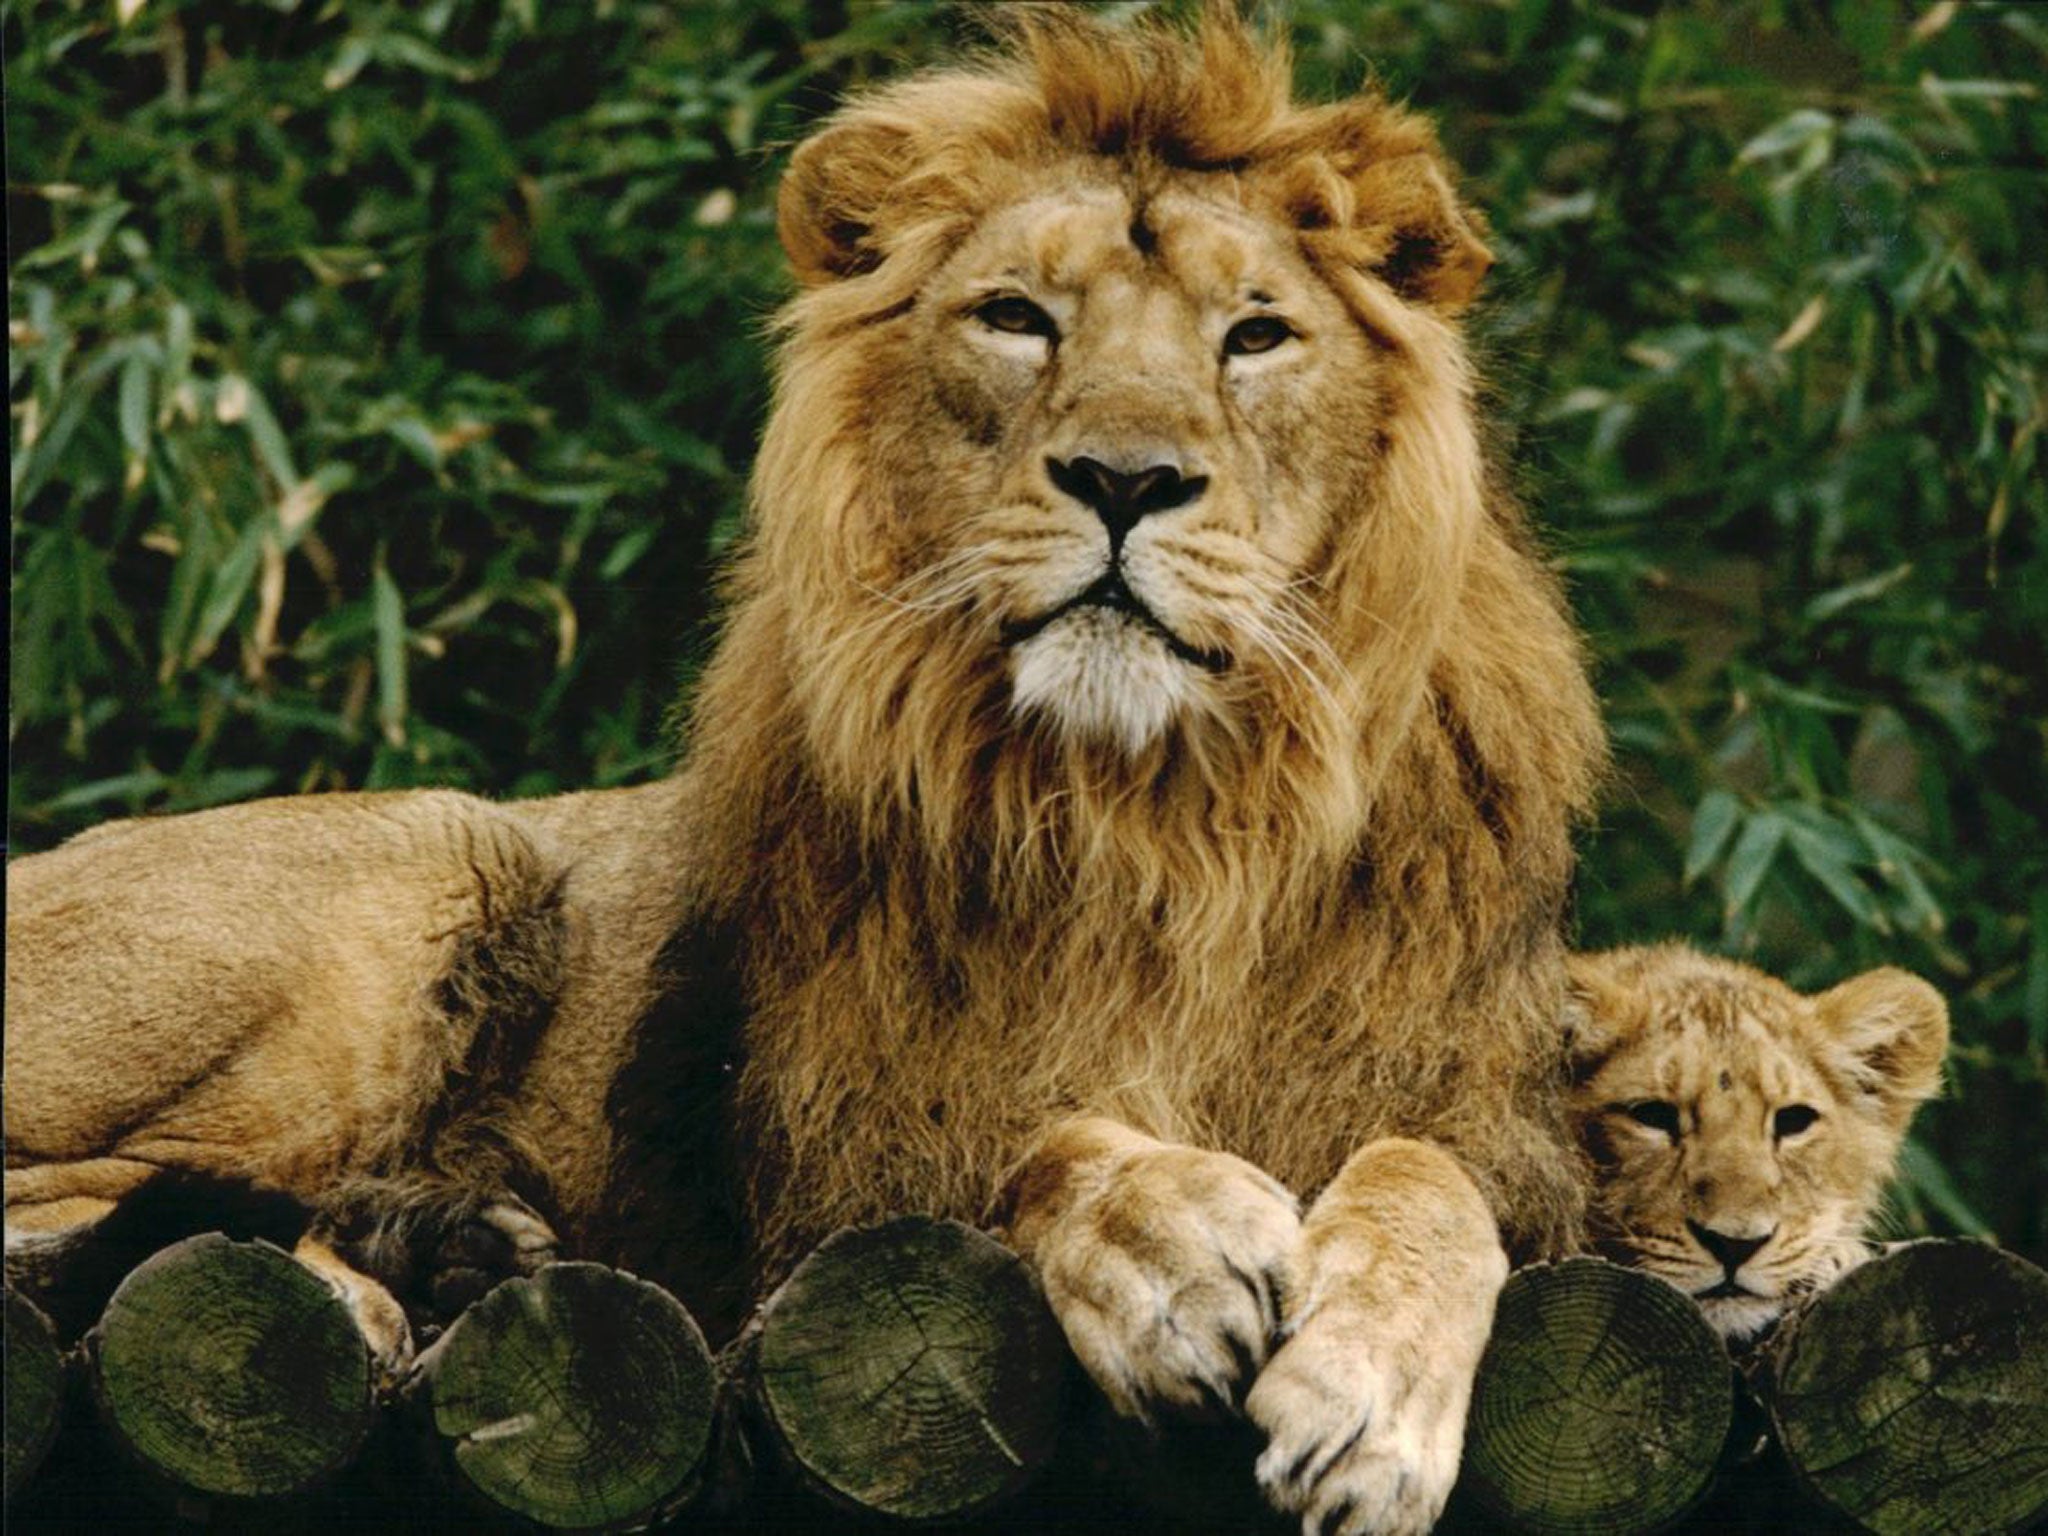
1276	940
1321	906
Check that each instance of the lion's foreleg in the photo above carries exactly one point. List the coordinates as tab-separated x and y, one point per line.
1167	1266
1364	1405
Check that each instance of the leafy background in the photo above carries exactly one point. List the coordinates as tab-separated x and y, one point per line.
383	379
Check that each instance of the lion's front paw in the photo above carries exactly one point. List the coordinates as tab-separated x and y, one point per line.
1354	1444
1170	1279
499	1240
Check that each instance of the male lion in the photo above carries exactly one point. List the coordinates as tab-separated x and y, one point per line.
1133	791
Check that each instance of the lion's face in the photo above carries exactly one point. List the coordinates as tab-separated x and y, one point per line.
1123	416
1742	1133
1152	413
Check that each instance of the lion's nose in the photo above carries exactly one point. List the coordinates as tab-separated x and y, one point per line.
1119	497
1732	1252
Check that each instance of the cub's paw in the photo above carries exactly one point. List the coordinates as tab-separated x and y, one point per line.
496	1241
1170	1278
1359	1439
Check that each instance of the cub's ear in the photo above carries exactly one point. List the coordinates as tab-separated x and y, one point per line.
1594	1012
833	195
1889	1031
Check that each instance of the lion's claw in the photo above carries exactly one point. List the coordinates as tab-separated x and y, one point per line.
1348	1449
1168	1281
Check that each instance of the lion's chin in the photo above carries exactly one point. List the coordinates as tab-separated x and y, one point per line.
1100	675
1738	1318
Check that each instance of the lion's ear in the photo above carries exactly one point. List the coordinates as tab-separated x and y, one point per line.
833	195
1380	187
1889	1031
1435	247
1594	1008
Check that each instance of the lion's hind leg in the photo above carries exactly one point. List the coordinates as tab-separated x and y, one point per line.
321	996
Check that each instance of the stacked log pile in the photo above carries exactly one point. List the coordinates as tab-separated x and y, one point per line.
910	1373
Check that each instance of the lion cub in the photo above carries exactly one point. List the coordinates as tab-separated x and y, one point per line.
1741	1133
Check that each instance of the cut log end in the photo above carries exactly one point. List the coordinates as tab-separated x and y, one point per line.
230	1369
912	1369
1913	1395
578	1397
1602	1403
35	1390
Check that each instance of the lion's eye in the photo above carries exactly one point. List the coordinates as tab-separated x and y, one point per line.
1017	317
1657	1114
1793	1119
1261	333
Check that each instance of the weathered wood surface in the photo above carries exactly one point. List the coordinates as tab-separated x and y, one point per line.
579	1398
230	1369
1913	1395
36	1384
910	1373
1602	1404
910	1370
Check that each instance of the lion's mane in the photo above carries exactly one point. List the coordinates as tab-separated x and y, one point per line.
1341	921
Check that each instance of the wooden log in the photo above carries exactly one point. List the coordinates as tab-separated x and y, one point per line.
1602	1404
1183	1477
579	1397
910	1370
36	1378
1912	1396
229	1369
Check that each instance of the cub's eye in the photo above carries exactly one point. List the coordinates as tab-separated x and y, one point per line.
1261	333
1657	1114
1793	1119
1018	317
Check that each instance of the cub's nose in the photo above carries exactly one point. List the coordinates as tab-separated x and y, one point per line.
1731	1252
1121	497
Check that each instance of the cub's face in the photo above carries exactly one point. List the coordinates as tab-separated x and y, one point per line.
1139	423
1742	1134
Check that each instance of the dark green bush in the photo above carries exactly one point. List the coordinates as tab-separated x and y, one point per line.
383	379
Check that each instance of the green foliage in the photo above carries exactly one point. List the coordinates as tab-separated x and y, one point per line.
1772	340
383	379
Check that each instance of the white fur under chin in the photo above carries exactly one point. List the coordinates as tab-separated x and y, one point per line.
1741	1318
1101	676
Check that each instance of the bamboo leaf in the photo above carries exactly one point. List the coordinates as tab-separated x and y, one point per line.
228	590
1830	603
1714	821
1750	860
1803	325
1792	132
134	404
1922	1172
129	787
83	241
271	449
388	609
1819	859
